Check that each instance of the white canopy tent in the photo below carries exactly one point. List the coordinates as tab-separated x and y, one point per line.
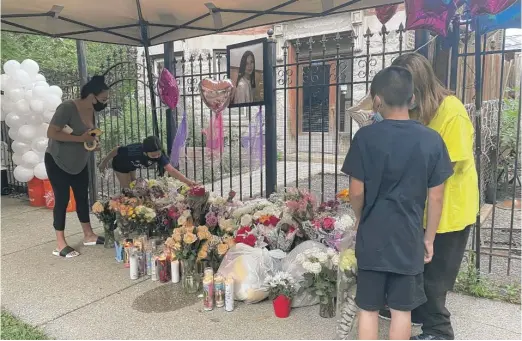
152	22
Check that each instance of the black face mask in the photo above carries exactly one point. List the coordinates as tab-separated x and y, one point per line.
99	106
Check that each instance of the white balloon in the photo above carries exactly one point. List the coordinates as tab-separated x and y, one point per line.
37	106
26	133
20	147
7	104
42	129
15	94
13	134
55	90
39	78
30	66
35	119
39	144
41	156
40	172
28	96
40	91
30	159
23	77
41	83
4	81
22	107
14	121
23	174
17	159
11	66
52	102
48	116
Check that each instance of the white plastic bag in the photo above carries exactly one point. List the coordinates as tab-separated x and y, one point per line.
297	271
249	266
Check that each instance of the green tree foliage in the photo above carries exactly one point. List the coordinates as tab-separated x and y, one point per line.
55	56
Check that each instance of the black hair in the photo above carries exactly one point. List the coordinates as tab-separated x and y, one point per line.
242	68
394	85
153	144
95	86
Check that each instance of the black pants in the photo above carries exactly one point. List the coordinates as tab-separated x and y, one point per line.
439	277
61	181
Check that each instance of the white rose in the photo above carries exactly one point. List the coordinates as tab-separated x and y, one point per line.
300	258
315	268
307	266
246	220
331	252
182	220
335	260
321	257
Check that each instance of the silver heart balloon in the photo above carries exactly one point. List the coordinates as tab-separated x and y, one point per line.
216	94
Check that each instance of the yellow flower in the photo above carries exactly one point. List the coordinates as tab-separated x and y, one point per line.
189	238
203	235
202	228
202	254
177	246
344	195
177	238
222	249
229	241
97	207
348	260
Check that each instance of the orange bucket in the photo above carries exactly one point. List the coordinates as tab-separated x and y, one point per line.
35	190
49	197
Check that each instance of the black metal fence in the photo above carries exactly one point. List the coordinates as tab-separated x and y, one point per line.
318	78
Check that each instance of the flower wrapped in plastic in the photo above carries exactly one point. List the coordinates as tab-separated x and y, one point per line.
250	266
346	286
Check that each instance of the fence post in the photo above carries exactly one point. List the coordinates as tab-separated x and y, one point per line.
91	163
455	44
172	124
421	39
478	128
269	65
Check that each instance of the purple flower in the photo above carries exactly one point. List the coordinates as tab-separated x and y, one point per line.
211	219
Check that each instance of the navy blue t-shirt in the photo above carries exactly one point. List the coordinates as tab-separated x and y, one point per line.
132	156
397	161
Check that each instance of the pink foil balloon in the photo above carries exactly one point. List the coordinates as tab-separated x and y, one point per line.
386	12
216	93
168	90
480	7
433	15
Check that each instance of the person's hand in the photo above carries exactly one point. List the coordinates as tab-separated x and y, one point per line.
87	137
428	251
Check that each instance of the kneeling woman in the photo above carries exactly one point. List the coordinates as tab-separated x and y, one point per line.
125	161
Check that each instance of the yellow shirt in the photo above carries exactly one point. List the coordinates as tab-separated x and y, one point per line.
461	194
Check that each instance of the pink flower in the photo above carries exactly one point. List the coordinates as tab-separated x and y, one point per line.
317	223
328	223
211	219
292	205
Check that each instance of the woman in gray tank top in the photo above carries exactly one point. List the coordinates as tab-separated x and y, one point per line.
66	160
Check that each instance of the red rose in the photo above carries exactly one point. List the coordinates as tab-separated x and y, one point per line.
274	220
198	191
250	240
231	195
317	223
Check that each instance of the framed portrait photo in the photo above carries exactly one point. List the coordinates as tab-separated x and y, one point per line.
245	70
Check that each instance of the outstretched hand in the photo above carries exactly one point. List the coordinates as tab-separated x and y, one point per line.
428	251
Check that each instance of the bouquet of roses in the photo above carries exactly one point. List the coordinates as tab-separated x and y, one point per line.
197	199
124	208
300	204
185	242
214	248
104	213
246	235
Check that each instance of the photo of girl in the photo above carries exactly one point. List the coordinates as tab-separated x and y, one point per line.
245	69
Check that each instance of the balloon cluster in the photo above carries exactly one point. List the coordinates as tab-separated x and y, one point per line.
28	104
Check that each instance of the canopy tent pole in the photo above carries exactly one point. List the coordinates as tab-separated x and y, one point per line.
478	128
171	118
150	78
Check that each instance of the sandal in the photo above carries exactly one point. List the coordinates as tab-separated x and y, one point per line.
99	241
67	252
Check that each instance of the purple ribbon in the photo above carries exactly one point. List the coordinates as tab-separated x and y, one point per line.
254	140
179	141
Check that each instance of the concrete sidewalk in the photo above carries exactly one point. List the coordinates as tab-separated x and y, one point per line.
92	297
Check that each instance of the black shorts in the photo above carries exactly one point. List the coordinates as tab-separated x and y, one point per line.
375	289
122	167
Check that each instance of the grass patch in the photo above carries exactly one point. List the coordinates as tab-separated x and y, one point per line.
470	282
14	329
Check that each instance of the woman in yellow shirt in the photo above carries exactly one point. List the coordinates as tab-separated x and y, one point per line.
437	108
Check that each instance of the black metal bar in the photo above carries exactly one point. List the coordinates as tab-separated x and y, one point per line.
297	128
464	69
269	64
172	124
515	174
478	132
184	27
95	30
91	163
252	11
28	15
497	150
455	42
337	111
310	81
99	29
25	28
326	88
285	114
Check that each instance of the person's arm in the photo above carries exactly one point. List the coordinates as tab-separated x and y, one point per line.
441	170
178	175
108	158
354	167
58	122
